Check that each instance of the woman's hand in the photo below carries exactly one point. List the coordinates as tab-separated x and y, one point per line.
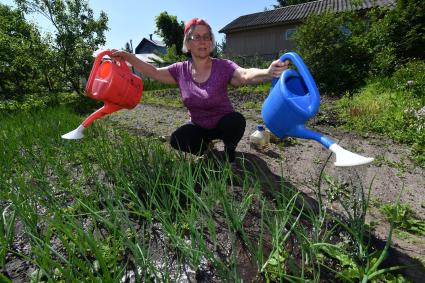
243	76
277	67
119	55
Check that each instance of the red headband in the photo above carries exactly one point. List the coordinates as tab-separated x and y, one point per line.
195	21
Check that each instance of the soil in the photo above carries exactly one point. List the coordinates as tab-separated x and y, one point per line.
299	162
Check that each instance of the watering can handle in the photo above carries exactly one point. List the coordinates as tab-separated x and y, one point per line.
302	69
96	65
305	74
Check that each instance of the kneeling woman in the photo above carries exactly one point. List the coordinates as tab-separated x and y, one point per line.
203	83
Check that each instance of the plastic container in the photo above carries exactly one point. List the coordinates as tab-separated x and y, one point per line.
292	101
260	138
115	85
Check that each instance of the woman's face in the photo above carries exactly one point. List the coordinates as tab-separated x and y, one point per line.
199	42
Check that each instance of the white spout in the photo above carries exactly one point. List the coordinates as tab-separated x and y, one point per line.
345	158
75	134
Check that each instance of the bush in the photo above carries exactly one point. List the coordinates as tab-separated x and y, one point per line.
392	107
328	45
342	50
411	77
149	84
80	104
252	61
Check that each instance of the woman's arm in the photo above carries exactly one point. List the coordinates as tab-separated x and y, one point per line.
243	76
159	74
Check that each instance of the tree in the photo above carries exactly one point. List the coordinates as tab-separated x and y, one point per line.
24	57
406	28
395	36
77	35
329	45
171	30
129	47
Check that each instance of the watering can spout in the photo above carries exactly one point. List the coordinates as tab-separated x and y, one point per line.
76	134
345	158
114	84
293	100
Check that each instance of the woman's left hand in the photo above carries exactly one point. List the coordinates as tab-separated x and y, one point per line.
277	67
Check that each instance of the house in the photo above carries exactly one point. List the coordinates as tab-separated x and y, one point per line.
269	33
148	49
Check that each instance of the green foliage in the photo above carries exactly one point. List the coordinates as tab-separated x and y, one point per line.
408	28
327	45
150	84
77	35
172	56
165	97
25	65
249	89
113	204
79	103
410	77
171	30
390	106
251	61
342	50
395	36
7	223
404	218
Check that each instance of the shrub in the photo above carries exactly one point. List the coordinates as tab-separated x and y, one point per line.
411	77
149	84
328	45
342	50
390	106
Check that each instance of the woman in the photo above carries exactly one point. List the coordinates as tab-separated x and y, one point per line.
203	82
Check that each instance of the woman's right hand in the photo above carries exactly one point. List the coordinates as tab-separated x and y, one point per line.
148	70
119	55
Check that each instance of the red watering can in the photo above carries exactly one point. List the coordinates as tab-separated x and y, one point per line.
115	85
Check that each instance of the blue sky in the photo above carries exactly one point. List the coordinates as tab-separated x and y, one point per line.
135	19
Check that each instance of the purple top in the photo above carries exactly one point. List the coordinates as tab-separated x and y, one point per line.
207	102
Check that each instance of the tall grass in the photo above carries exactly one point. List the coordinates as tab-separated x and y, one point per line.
394	106
114	206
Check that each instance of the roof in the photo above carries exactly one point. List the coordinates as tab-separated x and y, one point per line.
296	13
147	45
148	57
156	42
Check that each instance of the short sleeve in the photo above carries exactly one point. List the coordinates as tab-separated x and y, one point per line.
175	70
230	67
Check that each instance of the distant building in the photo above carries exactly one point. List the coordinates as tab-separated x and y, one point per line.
147	48
270	32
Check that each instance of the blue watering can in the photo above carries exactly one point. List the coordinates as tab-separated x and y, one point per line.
293	100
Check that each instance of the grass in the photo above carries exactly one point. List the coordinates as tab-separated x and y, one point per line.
391	106
114	205
149	97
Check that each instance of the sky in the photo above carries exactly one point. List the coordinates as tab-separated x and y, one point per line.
135	19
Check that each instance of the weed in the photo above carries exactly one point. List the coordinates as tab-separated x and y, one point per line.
404	218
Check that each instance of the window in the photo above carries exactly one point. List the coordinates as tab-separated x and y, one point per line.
345	30
289	34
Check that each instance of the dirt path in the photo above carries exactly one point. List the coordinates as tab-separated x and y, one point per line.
301	161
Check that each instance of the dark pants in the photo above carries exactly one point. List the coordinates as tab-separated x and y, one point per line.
195	139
